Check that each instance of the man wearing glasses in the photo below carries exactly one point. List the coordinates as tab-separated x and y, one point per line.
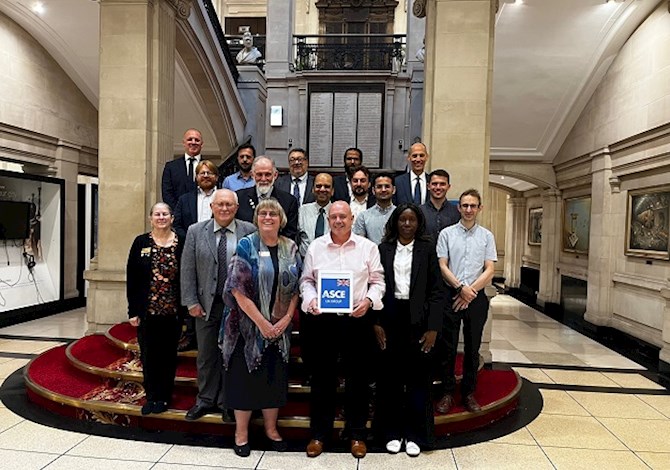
194	206
466	253
298	182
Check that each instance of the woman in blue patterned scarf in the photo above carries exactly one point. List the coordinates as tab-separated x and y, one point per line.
261	296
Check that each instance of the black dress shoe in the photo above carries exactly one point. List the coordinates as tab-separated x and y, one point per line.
197	412
471	404
159	407
242	451
147	408
278	446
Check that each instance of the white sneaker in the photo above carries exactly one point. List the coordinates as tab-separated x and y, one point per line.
411	448
393	446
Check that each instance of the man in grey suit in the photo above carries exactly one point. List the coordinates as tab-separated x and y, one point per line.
209	246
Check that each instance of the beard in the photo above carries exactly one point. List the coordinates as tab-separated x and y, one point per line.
264	189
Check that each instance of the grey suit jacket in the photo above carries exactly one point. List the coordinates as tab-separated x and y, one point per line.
199	263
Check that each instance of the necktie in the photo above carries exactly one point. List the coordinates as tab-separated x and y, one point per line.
296	189
417	191
320	223
191	164
222	251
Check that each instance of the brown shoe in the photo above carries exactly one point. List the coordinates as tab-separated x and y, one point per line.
314	448
358	449
471	404
445	404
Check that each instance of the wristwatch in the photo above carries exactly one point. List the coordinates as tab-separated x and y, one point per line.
460	288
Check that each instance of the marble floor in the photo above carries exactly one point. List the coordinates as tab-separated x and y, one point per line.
601	410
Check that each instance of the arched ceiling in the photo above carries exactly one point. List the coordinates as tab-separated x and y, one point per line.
550	56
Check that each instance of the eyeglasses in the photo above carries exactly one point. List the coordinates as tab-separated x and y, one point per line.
262	214
221	205
205	173
469	206
297	160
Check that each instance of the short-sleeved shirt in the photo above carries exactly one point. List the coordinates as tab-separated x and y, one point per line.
466	250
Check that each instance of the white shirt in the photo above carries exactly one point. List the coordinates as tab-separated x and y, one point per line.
204	208
421	179
188	162
358	207
302	185
402	269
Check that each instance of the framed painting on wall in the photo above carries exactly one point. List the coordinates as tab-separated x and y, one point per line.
647	223
535	226
576	224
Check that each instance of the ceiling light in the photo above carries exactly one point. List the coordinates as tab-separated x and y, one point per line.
38	8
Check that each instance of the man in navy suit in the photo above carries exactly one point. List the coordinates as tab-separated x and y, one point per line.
413	186
179	174
194	206
265	175
353	157
298	182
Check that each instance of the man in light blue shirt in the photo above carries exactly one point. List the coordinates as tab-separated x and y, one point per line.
246	153
371	222
466	253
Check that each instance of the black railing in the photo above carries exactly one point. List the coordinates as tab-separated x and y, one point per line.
349	52
218	30
235	45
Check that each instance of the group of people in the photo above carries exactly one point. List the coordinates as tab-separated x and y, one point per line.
243	260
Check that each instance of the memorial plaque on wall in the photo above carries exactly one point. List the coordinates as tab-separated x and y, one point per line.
345	120
370	126
320	128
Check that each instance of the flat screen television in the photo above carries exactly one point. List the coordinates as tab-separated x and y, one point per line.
14	220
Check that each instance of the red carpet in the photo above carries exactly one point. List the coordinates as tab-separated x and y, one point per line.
109	390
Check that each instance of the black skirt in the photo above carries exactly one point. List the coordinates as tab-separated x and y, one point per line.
264	387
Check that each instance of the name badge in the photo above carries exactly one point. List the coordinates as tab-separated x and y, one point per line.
146	251
264	253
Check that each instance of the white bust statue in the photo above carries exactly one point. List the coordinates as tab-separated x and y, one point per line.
250	54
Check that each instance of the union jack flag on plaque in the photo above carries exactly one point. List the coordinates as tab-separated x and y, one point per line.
343	282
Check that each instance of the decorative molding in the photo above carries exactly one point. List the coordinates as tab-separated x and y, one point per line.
615	184
419	8
641	282
182	8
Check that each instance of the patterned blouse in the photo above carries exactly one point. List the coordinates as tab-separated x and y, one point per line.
164	271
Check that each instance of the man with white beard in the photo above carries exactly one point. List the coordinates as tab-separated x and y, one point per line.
265	173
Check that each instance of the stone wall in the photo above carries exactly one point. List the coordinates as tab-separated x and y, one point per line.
46	124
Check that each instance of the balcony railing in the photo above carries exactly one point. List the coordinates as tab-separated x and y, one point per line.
349	52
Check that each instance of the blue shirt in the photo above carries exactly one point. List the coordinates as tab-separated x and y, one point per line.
236	181
466	250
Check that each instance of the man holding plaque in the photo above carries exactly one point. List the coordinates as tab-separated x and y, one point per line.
341	266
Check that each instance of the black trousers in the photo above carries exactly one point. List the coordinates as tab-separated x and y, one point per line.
350	339
404	407
473	319
160	334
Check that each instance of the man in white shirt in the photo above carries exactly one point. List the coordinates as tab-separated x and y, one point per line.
179	175
298	182
349	335
413	186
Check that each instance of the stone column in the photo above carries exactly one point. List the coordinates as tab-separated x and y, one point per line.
602	252
137	60
253	90
515	241
67	168
458	90
550	281
279	54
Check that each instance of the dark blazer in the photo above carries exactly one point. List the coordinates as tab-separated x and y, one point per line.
175	181
427	293
248	200
340	188
284	183
341	191
138	276
403	189
186	213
